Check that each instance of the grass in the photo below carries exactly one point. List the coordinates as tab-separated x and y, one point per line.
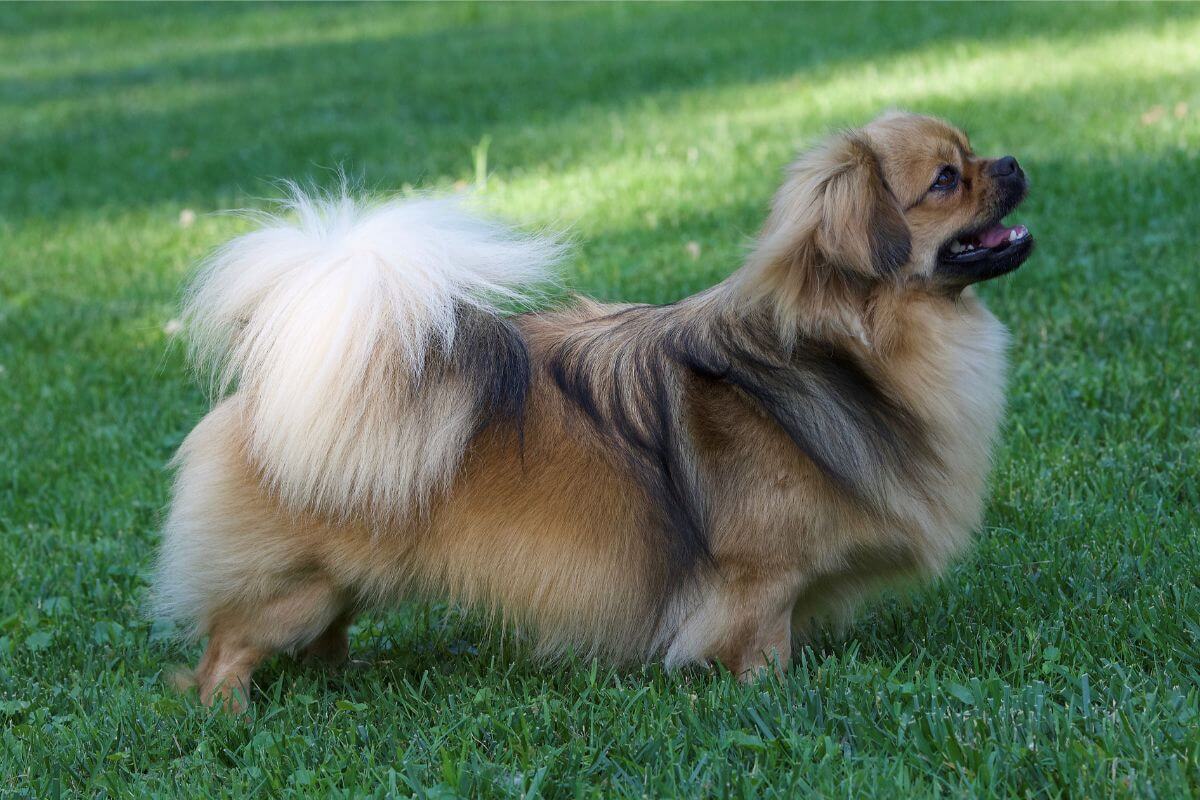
1062	658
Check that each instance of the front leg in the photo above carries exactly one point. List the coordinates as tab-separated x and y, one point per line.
829	604
755	646
744	624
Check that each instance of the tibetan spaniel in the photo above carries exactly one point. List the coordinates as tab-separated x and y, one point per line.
694	482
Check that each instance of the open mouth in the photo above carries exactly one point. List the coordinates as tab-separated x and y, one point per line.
979	245
985	253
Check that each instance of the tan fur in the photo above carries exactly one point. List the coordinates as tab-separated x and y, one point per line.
550	533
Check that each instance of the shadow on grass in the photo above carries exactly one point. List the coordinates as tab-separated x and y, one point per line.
409	106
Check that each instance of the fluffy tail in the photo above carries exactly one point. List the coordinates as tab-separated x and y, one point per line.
365	343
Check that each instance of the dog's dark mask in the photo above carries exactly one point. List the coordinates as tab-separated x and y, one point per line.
989	249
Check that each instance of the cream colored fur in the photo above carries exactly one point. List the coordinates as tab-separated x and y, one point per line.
325	320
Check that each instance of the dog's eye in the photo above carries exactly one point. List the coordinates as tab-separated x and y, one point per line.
947	179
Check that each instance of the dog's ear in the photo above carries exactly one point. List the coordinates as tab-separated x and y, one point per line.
861	226
834	228
835	206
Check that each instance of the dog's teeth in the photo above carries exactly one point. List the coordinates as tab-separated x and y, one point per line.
970	247
956	247
1012	235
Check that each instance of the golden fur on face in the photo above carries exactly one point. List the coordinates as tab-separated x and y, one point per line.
914	150
694	482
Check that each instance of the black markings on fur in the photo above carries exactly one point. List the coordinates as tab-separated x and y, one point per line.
829	407
886	230
887	233
837	416
633	398
491	357
891	243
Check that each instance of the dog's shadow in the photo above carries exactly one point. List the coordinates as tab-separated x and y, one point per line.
411	650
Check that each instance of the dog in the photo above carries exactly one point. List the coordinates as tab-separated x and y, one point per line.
699	482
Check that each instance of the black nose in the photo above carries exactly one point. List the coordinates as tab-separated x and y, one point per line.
1003	167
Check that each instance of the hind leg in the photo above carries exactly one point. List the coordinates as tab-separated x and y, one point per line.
307	613
332	646
236	566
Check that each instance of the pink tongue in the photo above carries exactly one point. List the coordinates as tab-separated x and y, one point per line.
999	234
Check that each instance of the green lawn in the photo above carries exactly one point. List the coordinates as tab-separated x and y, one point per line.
1061	658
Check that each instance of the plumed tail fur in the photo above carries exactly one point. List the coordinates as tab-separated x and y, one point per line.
365	344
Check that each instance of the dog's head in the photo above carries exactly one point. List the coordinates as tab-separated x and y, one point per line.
950	200
903	200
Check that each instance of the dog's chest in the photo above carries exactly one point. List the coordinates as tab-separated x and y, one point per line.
958	384
967	381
